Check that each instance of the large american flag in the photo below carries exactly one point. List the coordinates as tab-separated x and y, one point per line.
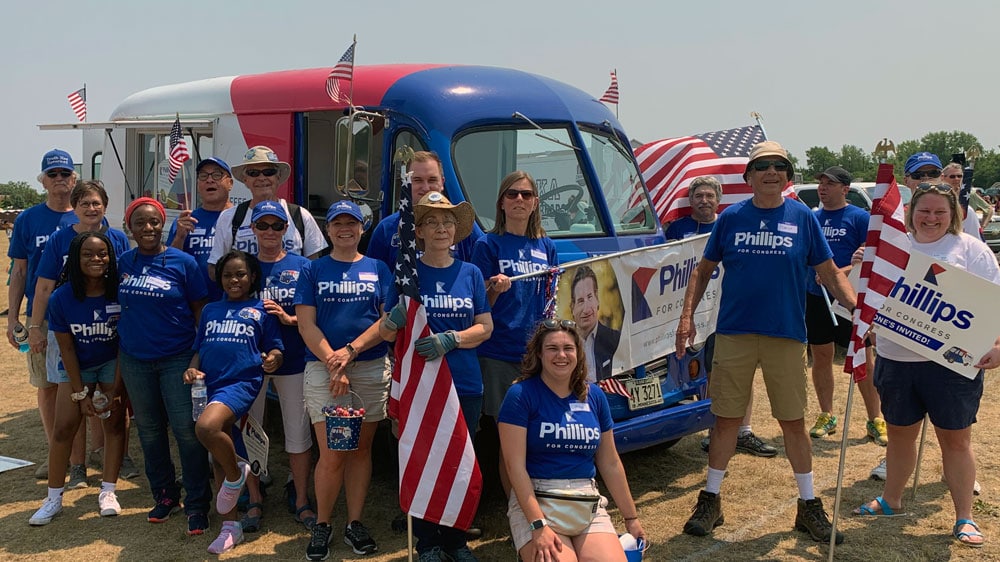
78	102
611	94
343	70
439	478
669	166
887	251
178	151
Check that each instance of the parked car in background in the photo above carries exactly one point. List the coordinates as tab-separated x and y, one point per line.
857	196
869	187
992	234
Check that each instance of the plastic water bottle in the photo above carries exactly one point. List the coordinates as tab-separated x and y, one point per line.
100	402
199	398
21	337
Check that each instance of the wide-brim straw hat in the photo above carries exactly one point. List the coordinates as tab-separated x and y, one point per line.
464	215
262	155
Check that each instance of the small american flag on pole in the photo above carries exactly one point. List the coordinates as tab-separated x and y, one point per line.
613	386
439	478
343	70
178	151
611	94
887	251
78	102
668	166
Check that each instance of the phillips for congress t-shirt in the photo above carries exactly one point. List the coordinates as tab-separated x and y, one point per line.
32	229
93	323
845	231
278	284
198	243
231	338
57	250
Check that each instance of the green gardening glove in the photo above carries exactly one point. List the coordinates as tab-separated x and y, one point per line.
436	345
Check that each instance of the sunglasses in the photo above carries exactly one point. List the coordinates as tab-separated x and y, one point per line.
761	165
512	194
217	175
555	324
955	176
275	226
63	174
929	174
266	172
938	187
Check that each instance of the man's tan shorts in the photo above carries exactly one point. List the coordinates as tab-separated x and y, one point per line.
783	362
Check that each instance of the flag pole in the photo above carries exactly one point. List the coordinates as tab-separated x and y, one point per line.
840	469
409	537
354	55
618	103
84	99
760	122
348	163
920	456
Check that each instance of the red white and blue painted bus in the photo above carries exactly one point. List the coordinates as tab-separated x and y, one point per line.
483	122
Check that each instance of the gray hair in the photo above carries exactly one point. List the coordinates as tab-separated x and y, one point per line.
702	181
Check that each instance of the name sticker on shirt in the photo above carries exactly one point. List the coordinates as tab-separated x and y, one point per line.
367	276
538	254
788	227
579	407
113	309
198	232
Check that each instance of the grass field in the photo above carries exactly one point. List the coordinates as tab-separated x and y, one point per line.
758	499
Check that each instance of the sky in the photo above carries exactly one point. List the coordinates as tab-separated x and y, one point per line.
819	73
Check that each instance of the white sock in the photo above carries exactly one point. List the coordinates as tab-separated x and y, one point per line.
714	481
56	494
805	484
108	486
745	430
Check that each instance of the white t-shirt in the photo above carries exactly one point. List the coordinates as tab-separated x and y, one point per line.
247	241
961	250
971	223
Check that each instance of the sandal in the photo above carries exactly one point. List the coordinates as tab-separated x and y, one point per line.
962	537
308	521
251	523
883	510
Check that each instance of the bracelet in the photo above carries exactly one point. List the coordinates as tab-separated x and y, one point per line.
30	326
78	396
631	518
350	349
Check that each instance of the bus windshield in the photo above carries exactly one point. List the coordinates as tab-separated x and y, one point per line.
620	180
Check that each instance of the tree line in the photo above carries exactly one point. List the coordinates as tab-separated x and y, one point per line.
19	195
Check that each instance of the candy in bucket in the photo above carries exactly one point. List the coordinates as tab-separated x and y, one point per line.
343	425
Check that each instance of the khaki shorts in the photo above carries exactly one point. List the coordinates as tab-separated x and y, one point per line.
38	374
369	379
520	527
783	362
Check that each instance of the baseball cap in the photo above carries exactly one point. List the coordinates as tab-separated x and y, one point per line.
921	159
217	161
56	159
837	174
344	208
268	208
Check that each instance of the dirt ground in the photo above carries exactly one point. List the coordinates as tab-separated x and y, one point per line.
758	499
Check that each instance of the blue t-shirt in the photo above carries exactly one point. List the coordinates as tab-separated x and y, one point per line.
686	227
57	250
768	256
93	323
32	229
199	244
845	231
156	292
348	297
384	243
453	296
280	279
517	311
232	335
563	433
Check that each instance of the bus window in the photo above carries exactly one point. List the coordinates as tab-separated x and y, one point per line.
95	165
405	140
620	180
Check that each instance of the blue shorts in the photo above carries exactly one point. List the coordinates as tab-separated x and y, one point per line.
911	389
237	395
103	373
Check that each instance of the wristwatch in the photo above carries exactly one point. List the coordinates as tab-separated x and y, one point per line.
350	349
538	524
77	396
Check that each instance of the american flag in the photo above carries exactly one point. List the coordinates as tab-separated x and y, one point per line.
611	95
613	386
887	251
669	166
439	478
78	101
178	151
343	70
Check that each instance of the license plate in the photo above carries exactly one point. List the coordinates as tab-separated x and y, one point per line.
644	392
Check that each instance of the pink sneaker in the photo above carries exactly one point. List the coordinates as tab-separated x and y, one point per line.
229	492
231	535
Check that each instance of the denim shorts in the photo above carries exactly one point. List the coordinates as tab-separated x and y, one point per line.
103	373
911	389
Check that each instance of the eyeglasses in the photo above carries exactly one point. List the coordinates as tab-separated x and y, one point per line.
761	165
90	204
938	187
63	174
218	175
512	194
435	224
954	176
555	324
276	226
925	175
266	172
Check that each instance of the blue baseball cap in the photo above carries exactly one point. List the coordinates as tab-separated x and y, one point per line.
56	159
217	161
921	159
344	208
268	208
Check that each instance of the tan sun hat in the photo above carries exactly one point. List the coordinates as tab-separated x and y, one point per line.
261	155
768	148
464	215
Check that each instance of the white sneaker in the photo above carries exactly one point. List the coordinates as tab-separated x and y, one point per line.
107	502
878	473
44	515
